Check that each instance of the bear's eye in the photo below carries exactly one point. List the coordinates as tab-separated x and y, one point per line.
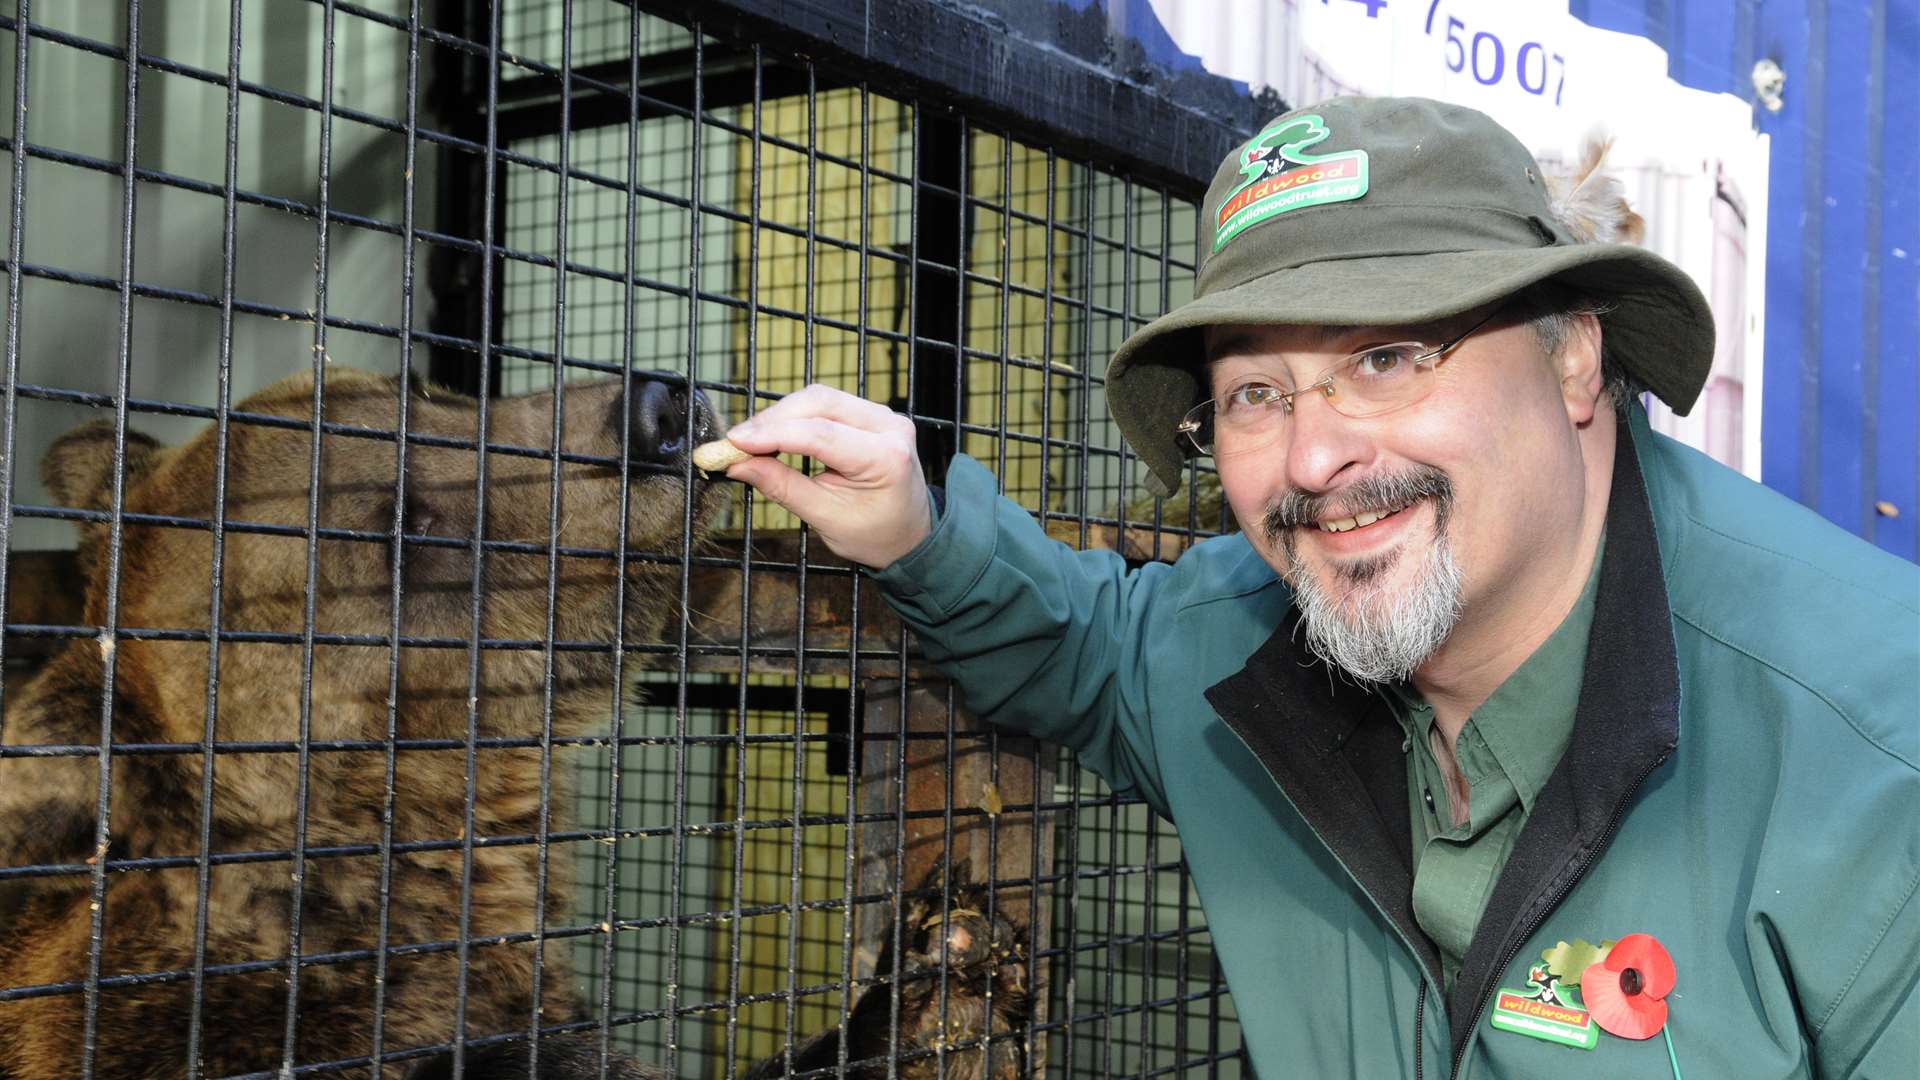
416	519
419	518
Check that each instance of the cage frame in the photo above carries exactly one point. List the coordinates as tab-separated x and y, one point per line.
889	68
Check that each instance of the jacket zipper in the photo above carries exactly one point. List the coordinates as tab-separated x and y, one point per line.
1419	1025
1606	837
1420	1001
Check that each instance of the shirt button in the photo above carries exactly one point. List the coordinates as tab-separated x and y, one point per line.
1429	794
1406	745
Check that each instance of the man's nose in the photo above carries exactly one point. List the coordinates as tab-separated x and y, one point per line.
662	426
1322	444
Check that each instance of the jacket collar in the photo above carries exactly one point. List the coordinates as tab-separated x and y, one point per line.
1336	753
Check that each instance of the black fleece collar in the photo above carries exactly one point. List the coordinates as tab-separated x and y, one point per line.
1335	751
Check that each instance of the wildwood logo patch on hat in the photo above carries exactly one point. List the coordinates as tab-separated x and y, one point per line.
1271	187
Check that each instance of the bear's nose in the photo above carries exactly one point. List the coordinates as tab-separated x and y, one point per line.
663	427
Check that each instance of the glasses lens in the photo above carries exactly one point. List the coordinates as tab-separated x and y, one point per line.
1381	379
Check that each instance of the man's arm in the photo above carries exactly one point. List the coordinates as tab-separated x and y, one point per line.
1874	1029
1036	635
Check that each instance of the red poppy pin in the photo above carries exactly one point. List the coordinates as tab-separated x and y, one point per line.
1626	990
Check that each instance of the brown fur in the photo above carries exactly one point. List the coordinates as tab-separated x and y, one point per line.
47	804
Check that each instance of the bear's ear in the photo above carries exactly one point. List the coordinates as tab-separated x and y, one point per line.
78	468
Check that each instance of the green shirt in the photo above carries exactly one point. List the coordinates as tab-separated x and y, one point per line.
1506	751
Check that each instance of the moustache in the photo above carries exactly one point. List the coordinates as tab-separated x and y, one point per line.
1295	507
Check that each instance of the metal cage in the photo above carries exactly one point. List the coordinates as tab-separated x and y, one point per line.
306	302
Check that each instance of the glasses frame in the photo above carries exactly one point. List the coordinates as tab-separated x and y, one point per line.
1196	417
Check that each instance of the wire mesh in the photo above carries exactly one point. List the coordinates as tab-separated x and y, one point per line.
376	700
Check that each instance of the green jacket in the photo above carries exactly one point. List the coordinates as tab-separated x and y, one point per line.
1743	781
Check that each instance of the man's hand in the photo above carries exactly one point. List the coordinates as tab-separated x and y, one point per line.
871	504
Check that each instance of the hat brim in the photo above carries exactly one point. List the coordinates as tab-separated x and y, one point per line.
1658	327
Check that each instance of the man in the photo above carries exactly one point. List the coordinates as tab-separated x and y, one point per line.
1493	677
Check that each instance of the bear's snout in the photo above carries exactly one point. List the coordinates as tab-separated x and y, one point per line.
663	430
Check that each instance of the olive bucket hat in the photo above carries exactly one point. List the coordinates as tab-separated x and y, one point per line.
1391	212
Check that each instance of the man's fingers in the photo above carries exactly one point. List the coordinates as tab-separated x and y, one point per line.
855	453
870	503
782	483
819	400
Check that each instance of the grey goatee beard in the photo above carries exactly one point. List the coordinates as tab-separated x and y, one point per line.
1352	621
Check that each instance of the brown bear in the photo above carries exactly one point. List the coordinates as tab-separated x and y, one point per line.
319	716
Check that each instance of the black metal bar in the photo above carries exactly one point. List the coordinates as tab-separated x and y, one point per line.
676	875
489	217
796	850
448	140
16	244
1152	846
46	393
203	882
1046	431
148	863
850	833
1113	959
944	998
1218	985
542	849
934	51
466	245
616	751
383	931
740	713
938	302
728	81
462	286
1072	847
760	697
463	345
315	483
1001	410
96	931
916	215
963	229
1183	966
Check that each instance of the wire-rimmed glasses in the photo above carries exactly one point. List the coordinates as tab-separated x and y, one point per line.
1377	379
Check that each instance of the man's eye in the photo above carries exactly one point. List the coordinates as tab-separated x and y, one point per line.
1252	396
1384	362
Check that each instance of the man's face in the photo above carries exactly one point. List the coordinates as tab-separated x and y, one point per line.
1395	528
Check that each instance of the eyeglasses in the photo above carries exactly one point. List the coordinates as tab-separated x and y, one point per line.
1375	380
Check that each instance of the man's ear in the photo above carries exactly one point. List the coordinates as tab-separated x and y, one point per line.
78	468
1582	380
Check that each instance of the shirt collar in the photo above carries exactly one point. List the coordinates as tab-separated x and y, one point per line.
1519	733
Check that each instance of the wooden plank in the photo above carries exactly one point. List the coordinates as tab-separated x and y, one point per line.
995	829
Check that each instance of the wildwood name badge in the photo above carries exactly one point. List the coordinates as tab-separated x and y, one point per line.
1525	1014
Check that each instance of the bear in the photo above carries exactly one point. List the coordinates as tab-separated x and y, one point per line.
319	832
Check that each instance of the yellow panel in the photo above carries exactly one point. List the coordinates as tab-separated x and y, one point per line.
790	286
767	859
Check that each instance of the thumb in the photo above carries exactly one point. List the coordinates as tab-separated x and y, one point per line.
782	483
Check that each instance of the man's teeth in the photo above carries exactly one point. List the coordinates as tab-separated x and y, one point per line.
1365	517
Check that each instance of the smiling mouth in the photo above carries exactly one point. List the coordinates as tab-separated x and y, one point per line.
1357	521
